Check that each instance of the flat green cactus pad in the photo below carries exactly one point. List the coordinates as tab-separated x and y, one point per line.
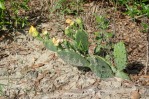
120	57
100	67
71	57
82	40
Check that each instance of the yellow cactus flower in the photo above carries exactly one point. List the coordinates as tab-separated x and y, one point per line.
33	32
70	22
55	41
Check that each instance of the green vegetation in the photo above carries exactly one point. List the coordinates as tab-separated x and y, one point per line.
135	7
103	38
106	60
9	16
138	9
75	51
145	27
67	7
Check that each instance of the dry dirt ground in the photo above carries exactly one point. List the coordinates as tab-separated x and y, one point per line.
29	71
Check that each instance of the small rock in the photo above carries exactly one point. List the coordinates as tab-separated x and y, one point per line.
135	95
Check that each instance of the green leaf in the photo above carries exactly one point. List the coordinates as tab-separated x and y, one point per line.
108	35
73	58
120	57
98	49
144	0
100	67
2	5
99	19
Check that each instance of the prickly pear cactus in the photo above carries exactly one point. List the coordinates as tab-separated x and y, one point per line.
100	67
49	45
73	58
120	57
82	40
120	60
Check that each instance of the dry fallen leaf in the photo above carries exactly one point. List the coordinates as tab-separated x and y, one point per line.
37	65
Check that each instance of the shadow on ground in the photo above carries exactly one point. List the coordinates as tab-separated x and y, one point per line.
134	68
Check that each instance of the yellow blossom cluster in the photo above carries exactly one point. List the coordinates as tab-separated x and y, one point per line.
70	22
33	32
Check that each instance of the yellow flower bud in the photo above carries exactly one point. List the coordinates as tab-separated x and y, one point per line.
68	21
33	32
55	41
78	21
